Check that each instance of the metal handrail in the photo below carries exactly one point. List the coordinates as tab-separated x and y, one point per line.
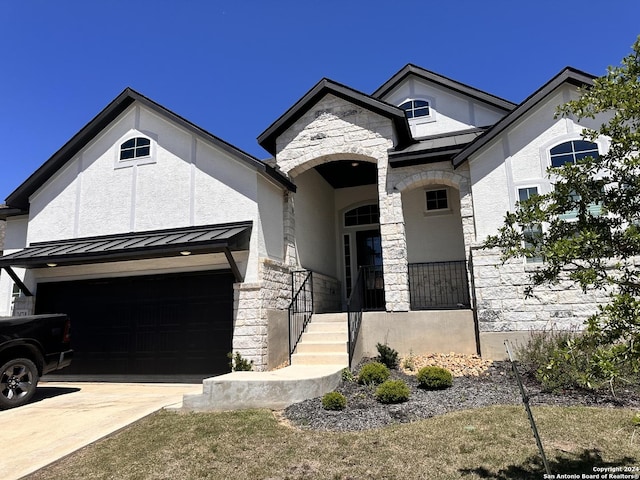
355	306
300	309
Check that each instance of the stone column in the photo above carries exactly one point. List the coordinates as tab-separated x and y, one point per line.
394	243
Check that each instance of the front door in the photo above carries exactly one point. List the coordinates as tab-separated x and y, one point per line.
369	257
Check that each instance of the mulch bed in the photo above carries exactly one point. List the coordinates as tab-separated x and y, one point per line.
496	385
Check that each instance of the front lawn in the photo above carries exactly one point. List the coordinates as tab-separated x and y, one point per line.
493	442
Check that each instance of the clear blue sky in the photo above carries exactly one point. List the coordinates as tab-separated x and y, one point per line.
233	67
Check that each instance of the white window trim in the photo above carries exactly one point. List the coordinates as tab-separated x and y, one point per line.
424	119
130	162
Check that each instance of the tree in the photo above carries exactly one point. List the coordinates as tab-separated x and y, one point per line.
600	249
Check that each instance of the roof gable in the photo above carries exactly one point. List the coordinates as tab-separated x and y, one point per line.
567	75
267	139
442	81
19	198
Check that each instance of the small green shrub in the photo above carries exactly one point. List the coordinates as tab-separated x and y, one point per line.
238	363
373	373
334	401
387	356
393	391
347	376
434	378
635	420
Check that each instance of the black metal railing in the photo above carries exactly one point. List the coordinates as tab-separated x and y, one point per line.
301	306
439	285
372	287
355	306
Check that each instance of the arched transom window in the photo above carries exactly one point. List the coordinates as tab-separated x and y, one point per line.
364	215
572	152
416	108
135	148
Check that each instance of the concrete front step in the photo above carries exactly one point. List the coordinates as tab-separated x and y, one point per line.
275	390
330	317
317	326
320	359
322	347
317	337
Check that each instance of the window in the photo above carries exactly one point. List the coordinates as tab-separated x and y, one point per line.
15	293
364	215
572	152
135	148
532	237
437	200
526	193
416	108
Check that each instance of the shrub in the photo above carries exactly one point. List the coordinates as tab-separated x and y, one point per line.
635	420
434	378
393	391
374	372
334	401
238	363
347	376
387	355
409	363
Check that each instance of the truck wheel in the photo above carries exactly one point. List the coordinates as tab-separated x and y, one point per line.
18	381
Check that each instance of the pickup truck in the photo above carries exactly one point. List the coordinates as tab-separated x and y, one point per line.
30	347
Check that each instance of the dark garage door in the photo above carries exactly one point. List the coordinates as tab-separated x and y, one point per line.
146	325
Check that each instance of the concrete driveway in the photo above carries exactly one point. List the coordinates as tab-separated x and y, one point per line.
66	416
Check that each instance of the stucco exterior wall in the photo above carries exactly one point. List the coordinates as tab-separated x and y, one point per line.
314	208
449	112
520	158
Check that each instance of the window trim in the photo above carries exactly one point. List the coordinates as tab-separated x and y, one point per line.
422	118
140	160
351	209
437	211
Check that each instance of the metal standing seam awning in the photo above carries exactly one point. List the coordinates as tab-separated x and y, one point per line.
220	238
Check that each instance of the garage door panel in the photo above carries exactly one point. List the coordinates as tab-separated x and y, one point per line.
166	324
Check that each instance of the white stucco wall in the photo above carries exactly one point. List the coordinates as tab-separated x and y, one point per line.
315	223
15	239
449	111
432	236
186	181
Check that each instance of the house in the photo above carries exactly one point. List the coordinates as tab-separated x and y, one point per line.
170	247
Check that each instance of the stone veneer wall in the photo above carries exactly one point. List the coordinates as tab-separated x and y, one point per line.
502	306
335	129
252	302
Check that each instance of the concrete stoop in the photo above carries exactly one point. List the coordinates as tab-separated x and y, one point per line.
316	368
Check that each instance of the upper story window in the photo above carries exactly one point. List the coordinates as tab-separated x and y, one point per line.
416	108
572	152
135	148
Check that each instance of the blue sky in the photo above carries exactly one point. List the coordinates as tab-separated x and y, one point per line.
233	67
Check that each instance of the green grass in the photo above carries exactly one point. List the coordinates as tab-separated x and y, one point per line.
494	443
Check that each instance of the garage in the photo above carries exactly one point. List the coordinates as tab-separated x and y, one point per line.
152	325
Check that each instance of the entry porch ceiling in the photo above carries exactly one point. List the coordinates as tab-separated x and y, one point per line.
349	173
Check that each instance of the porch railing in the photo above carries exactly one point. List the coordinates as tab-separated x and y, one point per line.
301	306
439	285
355	306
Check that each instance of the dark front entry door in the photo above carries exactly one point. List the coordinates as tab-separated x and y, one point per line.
369	257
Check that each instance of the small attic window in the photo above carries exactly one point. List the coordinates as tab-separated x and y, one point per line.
416	108
135	148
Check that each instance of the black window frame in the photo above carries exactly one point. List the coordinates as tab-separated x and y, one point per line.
134	148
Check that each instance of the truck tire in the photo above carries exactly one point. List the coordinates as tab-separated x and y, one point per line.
18	381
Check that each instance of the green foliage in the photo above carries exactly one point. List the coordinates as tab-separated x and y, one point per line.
347	375
238	363
635	420
334	401
597	250
373	373
409	362
387	356
393	391
434	378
